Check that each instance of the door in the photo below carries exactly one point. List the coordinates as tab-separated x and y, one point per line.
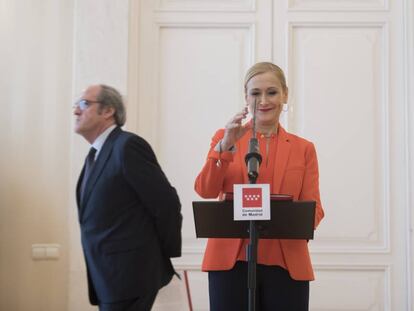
345	71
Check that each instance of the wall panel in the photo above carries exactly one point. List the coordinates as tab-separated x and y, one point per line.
199	81
353	111
363	288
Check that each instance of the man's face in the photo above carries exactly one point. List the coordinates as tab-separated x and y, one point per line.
89	117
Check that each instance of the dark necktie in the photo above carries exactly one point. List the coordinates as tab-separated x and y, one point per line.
89	162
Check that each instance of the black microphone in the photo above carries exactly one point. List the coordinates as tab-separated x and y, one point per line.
253	158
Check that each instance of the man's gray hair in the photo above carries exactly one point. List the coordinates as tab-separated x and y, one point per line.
110	97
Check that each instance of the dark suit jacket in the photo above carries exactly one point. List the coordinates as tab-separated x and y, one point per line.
130	221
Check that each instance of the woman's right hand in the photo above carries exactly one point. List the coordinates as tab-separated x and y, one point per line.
234	130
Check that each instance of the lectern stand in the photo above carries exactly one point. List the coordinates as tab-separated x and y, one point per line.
289	220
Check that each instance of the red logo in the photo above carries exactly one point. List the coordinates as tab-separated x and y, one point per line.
252	197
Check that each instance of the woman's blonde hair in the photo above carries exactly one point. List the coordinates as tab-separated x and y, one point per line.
263	67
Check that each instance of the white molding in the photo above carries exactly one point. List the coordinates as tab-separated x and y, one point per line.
351	267
209	6
337	6
408	47
251	26
133	65
337	24
191	258
351	250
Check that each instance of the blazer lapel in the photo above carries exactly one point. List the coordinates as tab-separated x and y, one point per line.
100	164
78	185
282	157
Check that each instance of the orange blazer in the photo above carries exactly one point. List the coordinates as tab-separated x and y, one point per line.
296	173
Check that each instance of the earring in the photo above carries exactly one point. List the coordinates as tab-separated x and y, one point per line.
285	108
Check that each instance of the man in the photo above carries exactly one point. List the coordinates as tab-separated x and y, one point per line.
129	214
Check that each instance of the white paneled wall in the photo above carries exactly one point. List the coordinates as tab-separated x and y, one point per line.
35	100
180	64
346	83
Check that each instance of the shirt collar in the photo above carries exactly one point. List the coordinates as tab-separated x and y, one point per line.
100	140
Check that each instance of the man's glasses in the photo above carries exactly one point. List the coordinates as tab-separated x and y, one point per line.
83	104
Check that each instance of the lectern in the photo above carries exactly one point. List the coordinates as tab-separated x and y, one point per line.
288	220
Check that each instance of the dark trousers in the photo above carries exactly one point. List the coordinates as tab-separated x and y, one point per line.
138	304
275	290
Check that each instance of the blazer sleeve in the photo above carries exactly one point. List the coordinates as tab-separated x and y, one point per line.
158	197
209	182
310	185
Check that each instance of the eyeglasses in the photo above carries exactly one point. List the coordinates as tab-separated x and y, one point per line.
83	104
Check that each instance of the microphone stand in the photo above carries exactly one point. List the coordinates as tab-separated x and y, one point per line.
253	160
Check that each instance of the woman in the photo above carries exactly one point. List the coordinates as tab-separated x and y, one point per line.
290	166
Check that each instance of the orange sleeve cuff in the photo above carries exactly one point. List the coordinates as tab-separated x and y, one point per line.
223	156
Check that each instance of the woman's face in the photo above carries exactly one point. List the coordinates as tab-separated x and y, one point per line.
270	97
